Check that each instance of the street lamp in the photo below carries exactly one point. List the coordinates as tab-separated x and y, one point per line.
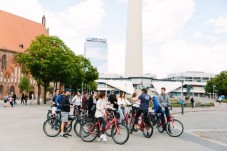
213	91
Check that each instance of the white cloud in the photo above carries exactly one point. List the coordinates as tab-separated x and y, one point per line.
200	36
72	25
116	57
178	56
219	23
162	19
30	9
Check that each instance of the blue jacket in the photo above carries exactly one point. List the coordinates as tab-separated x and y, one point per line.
156	105
58	101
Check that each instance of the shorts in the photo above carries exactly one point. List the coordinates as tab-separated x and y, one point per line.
64	116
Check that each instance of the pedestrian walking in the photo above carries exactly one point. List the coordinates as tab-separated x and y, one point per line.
14	97
6	98
11	101
192	102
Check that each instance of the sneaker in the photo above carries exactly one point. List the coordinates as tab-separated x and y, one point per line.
99	139
103	138
63	136
67	134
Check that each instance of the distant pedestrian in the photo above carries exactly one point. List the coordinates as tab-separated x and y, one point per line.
6	98
14	97
23	97
11	101
32	98
192	102
220	99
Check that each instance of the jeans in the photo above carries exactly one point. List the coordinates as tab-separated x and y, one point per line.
120	111
139	112
160	110
103	122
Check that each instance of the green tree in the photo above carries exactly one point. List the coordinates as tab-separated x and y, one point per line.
220	83
24	84
48	59
83	73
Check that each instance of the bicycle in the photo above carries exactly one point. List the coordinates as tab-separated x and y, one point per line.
174	128
91	130
145	126
52	126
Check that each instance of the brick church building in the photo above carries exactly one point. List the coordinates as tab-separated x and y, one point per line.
16	35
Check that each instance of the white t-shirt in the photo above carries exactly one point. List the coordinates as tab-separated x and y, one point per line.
77	100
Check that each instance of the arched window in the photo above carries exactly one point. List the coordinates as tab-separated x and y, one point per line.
1	89
4	61
12	89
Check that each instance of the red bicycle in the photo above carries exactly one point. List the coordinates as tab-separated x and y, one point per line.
91	130
144	125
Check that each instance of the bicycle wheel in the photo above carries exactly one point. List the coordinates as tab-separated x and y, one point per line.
48	114
77	127
88	132
69	128
175	128
120	134
131	125
52	127
148	130
108	132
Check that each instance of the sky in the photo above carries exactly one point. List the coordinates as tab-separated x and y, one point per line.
178	35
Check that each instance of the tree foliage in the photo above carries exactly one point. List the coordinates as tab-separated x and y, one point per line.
24	84
48	59
220	83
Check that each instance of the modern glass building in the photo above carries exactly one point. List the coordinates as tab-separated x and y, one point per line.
96	50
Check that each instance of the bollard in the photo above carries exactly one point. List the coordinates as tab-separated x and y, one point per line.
182	109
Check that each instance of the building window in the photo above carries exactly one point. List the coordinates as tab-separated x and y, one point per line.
4	61
1	89
12	89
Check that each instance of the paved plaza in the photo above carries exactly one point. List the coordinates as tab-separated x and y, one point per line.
205	130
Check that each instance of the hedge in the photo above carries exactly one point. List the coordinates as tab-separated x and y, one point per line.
223	101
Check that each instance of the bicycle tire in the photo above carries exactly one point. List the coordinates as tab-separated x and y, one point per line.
55	126
171	127
85	133
48	115
148	127
77	127
120	128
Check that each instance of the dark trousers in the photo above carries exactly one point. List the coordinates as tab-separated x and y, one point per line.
78	108
103	123
134	109
192	103
139	112
22	101
26	100
11	103
160	110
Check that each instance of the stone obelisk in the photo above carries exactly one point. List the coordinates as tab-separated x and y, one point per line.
134	46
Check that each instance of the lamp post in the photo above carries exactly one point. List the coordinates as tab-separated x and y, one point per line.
213	91
182	105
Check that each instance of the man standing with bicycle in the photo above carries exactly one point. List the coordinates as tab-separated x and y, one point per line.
65	104
163	106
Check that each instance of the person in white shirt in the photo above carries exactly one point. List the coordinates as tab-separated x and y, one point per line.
77	102
101	105
136	103
122	102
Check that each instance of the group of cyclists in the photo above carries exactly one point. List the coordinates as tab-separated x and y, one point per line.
95	106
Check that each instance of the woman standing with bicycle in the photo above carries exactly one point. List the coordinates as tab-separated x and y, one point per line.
122	102
100	113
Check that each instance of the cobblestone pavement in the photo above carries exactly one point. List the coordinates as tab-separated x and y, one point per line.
21	130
